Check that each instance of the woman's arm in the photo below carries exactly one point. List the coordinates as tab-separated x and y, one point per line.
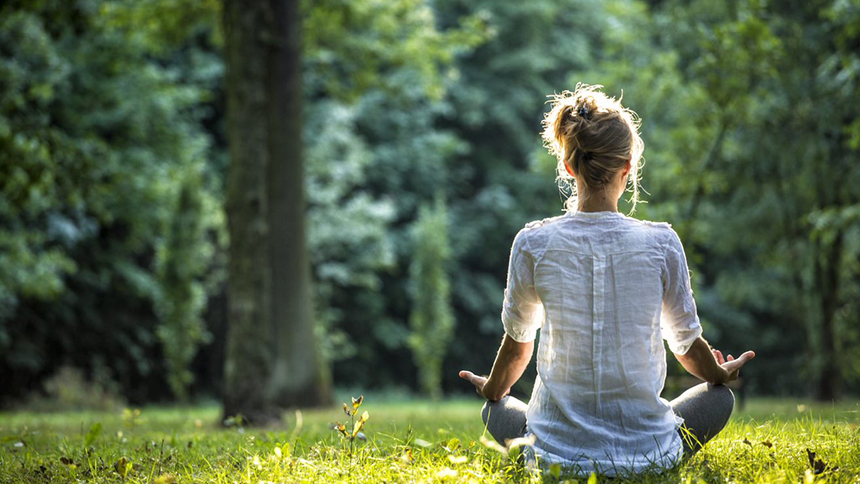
709	365
511	361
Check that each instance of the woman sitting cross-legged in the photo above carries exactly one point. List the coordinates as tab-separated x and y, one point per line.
605	290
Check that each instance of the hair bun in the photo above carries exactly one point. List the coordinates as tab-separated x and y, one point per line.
586	106
594	136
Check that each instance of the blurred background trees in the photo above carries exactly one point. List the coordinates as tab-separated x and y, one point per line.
113	164
100	130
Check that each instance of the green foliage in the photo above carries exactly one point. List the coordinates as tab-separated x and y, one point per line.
432	319
392	38
374	153
32	262
347	225
95	134
111	139
409	441
163	25
183	260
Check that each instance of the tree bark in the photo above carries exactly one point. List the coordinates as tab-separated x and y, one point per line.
272	360
298	374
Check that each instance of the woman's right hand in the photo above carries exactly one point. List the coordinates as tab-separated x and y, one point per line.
731	364
478	381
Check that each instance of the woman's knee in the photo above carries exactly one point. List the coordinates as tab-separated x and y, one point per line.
721	401
490	407
505	419
725	397
485	412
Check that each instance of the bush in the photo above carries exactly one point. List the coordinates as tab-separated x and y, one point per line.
69	389
432	318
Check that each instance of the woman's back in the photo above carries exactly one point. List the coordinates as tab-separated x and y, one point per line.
597	283
606	289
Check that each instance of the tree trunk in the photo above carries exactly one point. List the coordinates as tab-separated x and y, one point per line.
272	360
298	376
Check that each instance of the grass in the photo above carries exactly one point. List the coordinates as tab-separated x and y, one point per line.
407	441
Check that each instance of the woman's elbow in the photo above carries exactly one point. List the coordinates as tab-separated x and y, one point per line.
517	350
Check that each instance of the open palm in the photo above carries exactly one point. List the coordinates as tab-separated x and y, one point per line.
731	364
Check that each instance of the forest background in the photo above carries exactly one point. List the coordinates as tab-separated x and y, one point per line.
422	161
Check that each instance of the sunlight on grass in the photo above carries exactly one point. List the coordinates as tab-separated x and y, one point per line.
407	441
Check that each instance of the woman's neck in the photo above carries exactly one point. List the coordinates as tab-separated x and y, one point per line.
599	203
601	200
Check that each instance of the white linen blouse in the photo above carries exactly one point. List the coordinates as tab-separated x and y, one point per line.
605	290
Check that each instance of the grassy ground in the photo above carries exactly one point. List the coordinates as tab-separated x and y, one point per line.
407	441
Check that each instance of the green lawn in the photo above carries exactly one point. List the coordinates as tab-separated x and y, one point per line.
407	441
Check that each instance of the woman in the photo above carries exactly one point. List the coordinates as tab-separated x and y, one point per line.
605	290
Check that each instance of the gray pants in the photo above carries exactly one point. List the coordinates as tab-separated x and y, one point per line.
705	409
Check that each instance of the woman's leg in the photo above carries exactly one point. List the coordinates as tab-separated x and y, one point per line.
505	419
705	409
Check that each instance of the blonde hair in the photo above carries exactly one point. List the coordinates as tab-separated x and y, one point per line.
596	136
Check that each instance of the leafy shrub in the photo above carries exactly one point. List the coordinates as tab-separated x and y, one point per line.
183	261
432	318
69	389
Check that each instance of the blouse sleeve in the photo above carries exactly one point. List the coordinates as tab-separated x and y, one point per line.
522	310
679	321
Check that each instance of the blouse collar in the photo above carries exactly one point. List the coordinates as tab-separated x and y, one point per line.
596	215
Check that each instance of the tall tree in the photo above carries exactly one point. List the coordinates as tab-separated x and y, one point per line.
272	358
